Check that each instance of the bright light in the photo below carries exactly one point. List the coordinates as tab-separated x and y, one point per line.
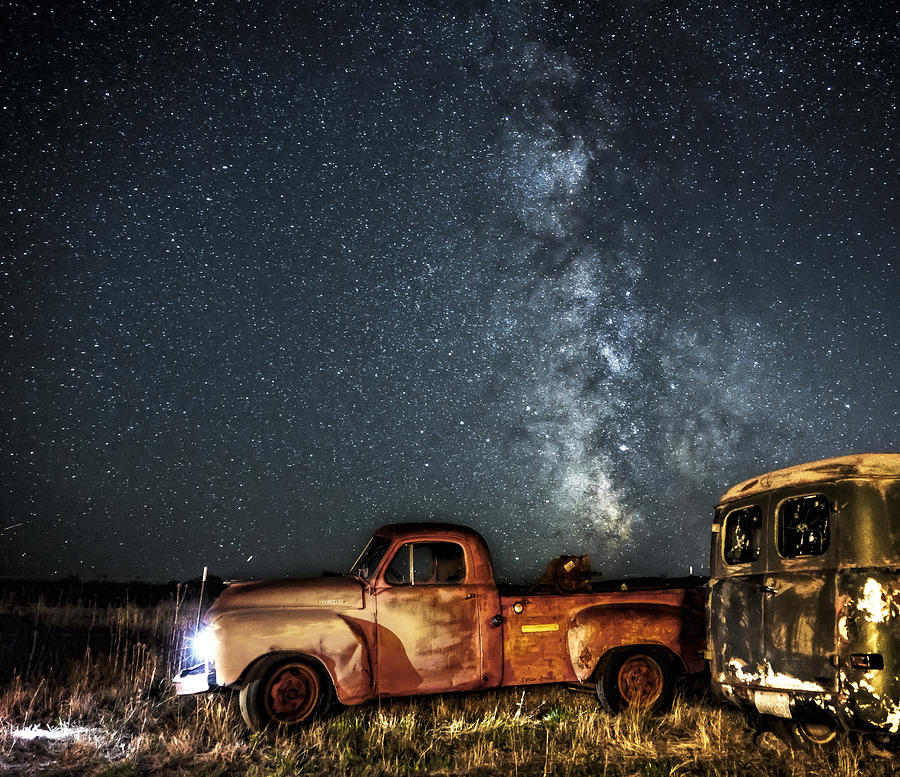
60	732
203	644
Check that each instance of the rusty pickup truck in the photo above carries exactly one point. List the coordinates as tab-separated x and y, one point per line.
420	613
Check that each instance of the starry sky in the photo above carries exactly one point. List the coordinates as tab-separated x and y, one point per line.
276	273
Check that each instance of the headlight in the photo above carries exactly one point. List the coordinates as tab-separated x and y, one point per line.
203	644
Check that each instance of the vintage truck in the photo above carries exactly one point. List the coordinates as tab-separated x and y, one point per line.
420	613
804	598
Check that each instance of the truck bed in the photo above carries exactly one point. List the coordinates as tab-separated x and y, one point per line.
559	637
600	586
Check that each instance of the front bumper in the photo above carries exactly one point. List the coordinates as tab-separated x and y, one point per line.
195	679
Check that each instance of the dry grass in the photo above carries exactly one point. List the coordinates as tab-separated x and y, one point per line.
111	704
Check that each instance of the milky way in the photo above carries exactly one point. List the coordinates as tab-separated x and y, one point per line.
274	276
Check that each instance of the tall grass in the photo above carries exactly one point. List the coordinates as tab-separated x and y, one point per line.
111	692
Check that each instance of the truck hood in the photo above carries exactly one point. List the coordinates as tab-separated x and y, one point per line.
327	593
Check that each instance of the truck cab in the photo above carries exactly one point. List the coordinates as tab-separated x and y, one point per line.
803	619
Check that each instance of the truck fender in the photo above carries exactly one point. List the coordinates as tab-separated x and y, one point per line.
596	631
336	641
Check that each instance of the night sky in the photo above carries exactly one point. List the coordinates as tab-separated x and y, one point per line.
275	273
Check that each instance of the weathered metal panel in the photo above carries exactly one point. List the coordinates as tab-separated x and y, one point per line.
334	593
799	592
830	637
677	627
866	465
870	532
534	640
490	631
427	639
868	619
799	630
562	638
735	629
338	641
735	604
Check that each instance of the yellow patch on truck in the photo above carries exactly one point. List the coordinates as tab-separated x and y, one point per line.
533	628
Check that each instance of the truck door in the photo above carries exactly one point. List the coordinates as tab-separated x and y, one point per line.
736	596
799	589
427	621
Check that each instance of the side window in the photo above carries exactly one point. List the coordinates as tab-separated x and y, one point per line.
743	528
804	526
427	563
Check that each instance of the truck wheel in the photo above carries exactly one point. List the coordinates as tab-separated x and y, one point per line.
635	680
289	691
813	734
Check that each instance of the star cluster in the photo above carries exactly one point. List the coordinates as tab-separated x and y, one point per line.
276	273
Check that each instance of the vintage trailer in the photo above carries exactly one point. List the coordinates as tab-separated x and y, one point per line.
420	613
804	596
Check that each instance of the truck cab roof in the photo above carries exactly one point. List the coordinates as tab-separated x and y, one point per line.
427	530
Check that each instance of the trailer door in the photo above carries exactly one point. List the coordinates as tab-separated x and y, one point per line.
799	588
736	594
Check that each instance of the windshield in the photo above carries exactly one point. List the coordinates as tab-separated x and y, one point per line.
368	560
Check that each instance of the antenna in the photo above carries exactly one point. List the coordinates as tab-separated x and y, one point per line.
200	603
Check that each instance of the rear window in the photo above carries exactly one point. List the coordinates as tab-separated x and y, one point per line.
743	528
804	526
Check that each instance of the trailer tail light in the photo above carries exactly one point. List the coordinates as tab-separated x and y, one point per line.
867	661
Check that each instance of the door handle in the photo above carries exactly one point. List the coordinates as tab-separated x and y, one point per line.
470	596
768	590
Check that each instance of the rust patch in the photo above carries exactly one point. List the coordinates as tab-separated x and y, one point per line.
586	658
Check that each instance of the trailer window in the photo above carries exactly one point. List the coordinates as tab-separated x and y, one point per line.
427	563
742	535
804	526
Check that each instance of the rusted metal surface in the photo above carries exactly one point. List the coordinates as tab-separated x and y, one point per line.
423	615
803	608
669	618
864	465
869	644
427	639
292	692
640	681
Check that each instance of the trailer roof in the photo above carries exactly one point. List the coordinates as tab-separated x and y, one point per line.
860	465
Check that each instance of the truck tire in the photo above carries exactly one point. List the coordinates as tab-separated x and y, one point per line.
289	690
814	734
636	679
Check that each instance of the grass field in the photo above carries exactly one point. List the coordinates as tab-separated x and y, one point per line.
84	689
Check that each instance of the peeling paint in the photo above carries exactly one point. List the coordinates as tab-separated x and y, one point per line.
819	623
893	719
842	628
778	680
874	602
765	677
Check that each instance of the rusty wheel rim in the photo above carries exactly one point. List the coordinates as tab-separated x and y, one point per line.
292	693
815	732
640	682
